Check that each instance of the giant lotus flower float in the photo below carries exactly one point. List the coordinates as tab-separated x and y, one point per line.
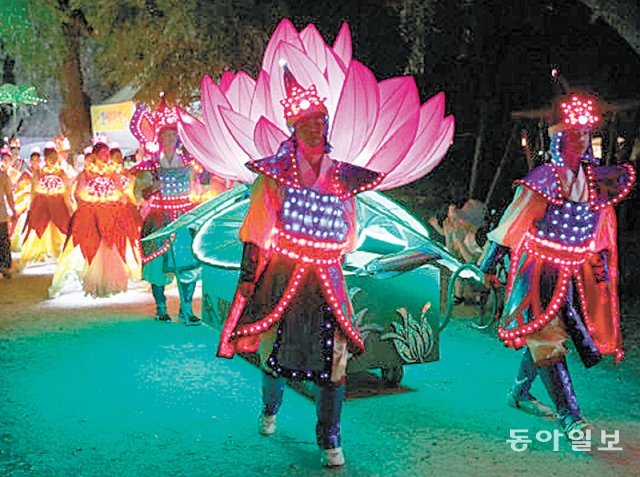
378	125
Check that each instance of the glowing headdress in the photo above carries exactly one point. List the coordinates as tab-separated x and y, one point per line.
575	112
299	101
146	126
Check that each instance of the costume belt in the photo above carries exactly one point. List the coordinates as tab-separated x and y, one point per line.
180	203
306	250
557	253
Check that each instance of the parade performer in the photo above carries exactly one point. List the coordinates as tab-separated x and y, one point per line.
164	183
560	229
101	248
6	205
291	302
22	196
48	217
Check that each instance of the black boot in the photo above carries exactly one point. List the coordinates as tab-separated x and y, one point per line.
576	328
557	380
161	303
519	396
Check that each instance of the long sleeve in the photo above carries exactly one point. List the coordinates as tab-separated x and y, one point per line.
526	208
258	226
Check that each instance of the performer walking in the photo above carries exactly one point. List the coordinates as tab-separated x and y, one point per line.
291	304
164	182
102	244
50	210
23	199
561	231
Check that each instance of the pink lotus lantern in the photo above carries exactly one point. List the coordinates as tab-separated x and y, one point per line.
378	125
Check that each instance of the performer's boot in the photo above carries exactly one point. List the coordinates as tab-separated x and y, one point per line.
519	396
272	393
328	408
186	297
161	303
557	380
576	328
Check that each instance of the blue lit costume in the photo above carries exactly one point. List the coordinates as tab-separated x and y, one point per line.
560	230
299	316
163	258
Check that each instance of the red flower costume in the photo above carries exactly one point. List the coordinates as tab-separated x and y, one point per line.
49	213
103	233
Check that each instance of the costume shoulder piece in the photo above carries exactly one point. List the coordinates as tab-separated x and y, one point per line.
543	180
280	167
356	179
609	184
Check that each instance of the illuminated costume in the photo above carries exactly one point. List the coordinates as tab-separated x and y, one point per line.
50	210
165	183
291	303
22	194
102	244
561	231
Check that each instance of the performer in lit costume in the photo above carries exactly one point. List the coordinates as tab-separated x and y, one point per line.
23	199
165	182
561	231
48	217
291	303
102	244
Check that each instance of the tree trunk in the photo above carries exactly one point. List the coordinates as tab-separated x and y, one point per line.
74	117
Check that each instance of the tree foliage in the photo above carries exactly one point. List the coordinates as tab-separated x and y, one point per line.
30	31
169	45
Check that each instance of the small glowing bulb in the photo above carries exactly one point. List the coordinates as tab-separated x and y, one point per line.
582	119
305	104
282	62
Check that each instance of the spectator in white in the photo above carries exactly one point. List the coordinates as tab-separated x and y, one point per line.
6	204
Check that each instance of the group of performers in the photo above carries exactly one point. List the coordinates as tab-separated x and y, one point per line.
92	221
291	303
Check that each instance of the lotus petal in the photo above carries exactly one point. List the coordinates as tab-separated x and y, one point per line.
377	125
261	102
285	32
225	80
399	108
314	46
431	114
342	45
305	71
241	128
267	137
357	110
240	92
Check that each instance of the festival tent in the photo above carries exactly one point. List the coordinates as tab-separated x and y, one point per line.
111	119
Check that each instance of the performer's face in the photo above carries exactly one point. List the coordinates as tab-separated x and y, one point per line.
51	157
574	144
35	161
168	139
310	130
116	157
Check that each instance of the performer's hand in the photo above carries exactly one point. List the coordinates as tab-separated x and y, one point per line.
492	281
247	289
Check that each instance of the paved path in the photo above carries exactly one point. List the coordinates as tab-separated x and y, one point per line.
98	389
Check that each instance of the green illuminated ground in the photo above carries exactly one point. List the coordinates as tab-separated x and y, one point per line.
108	392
